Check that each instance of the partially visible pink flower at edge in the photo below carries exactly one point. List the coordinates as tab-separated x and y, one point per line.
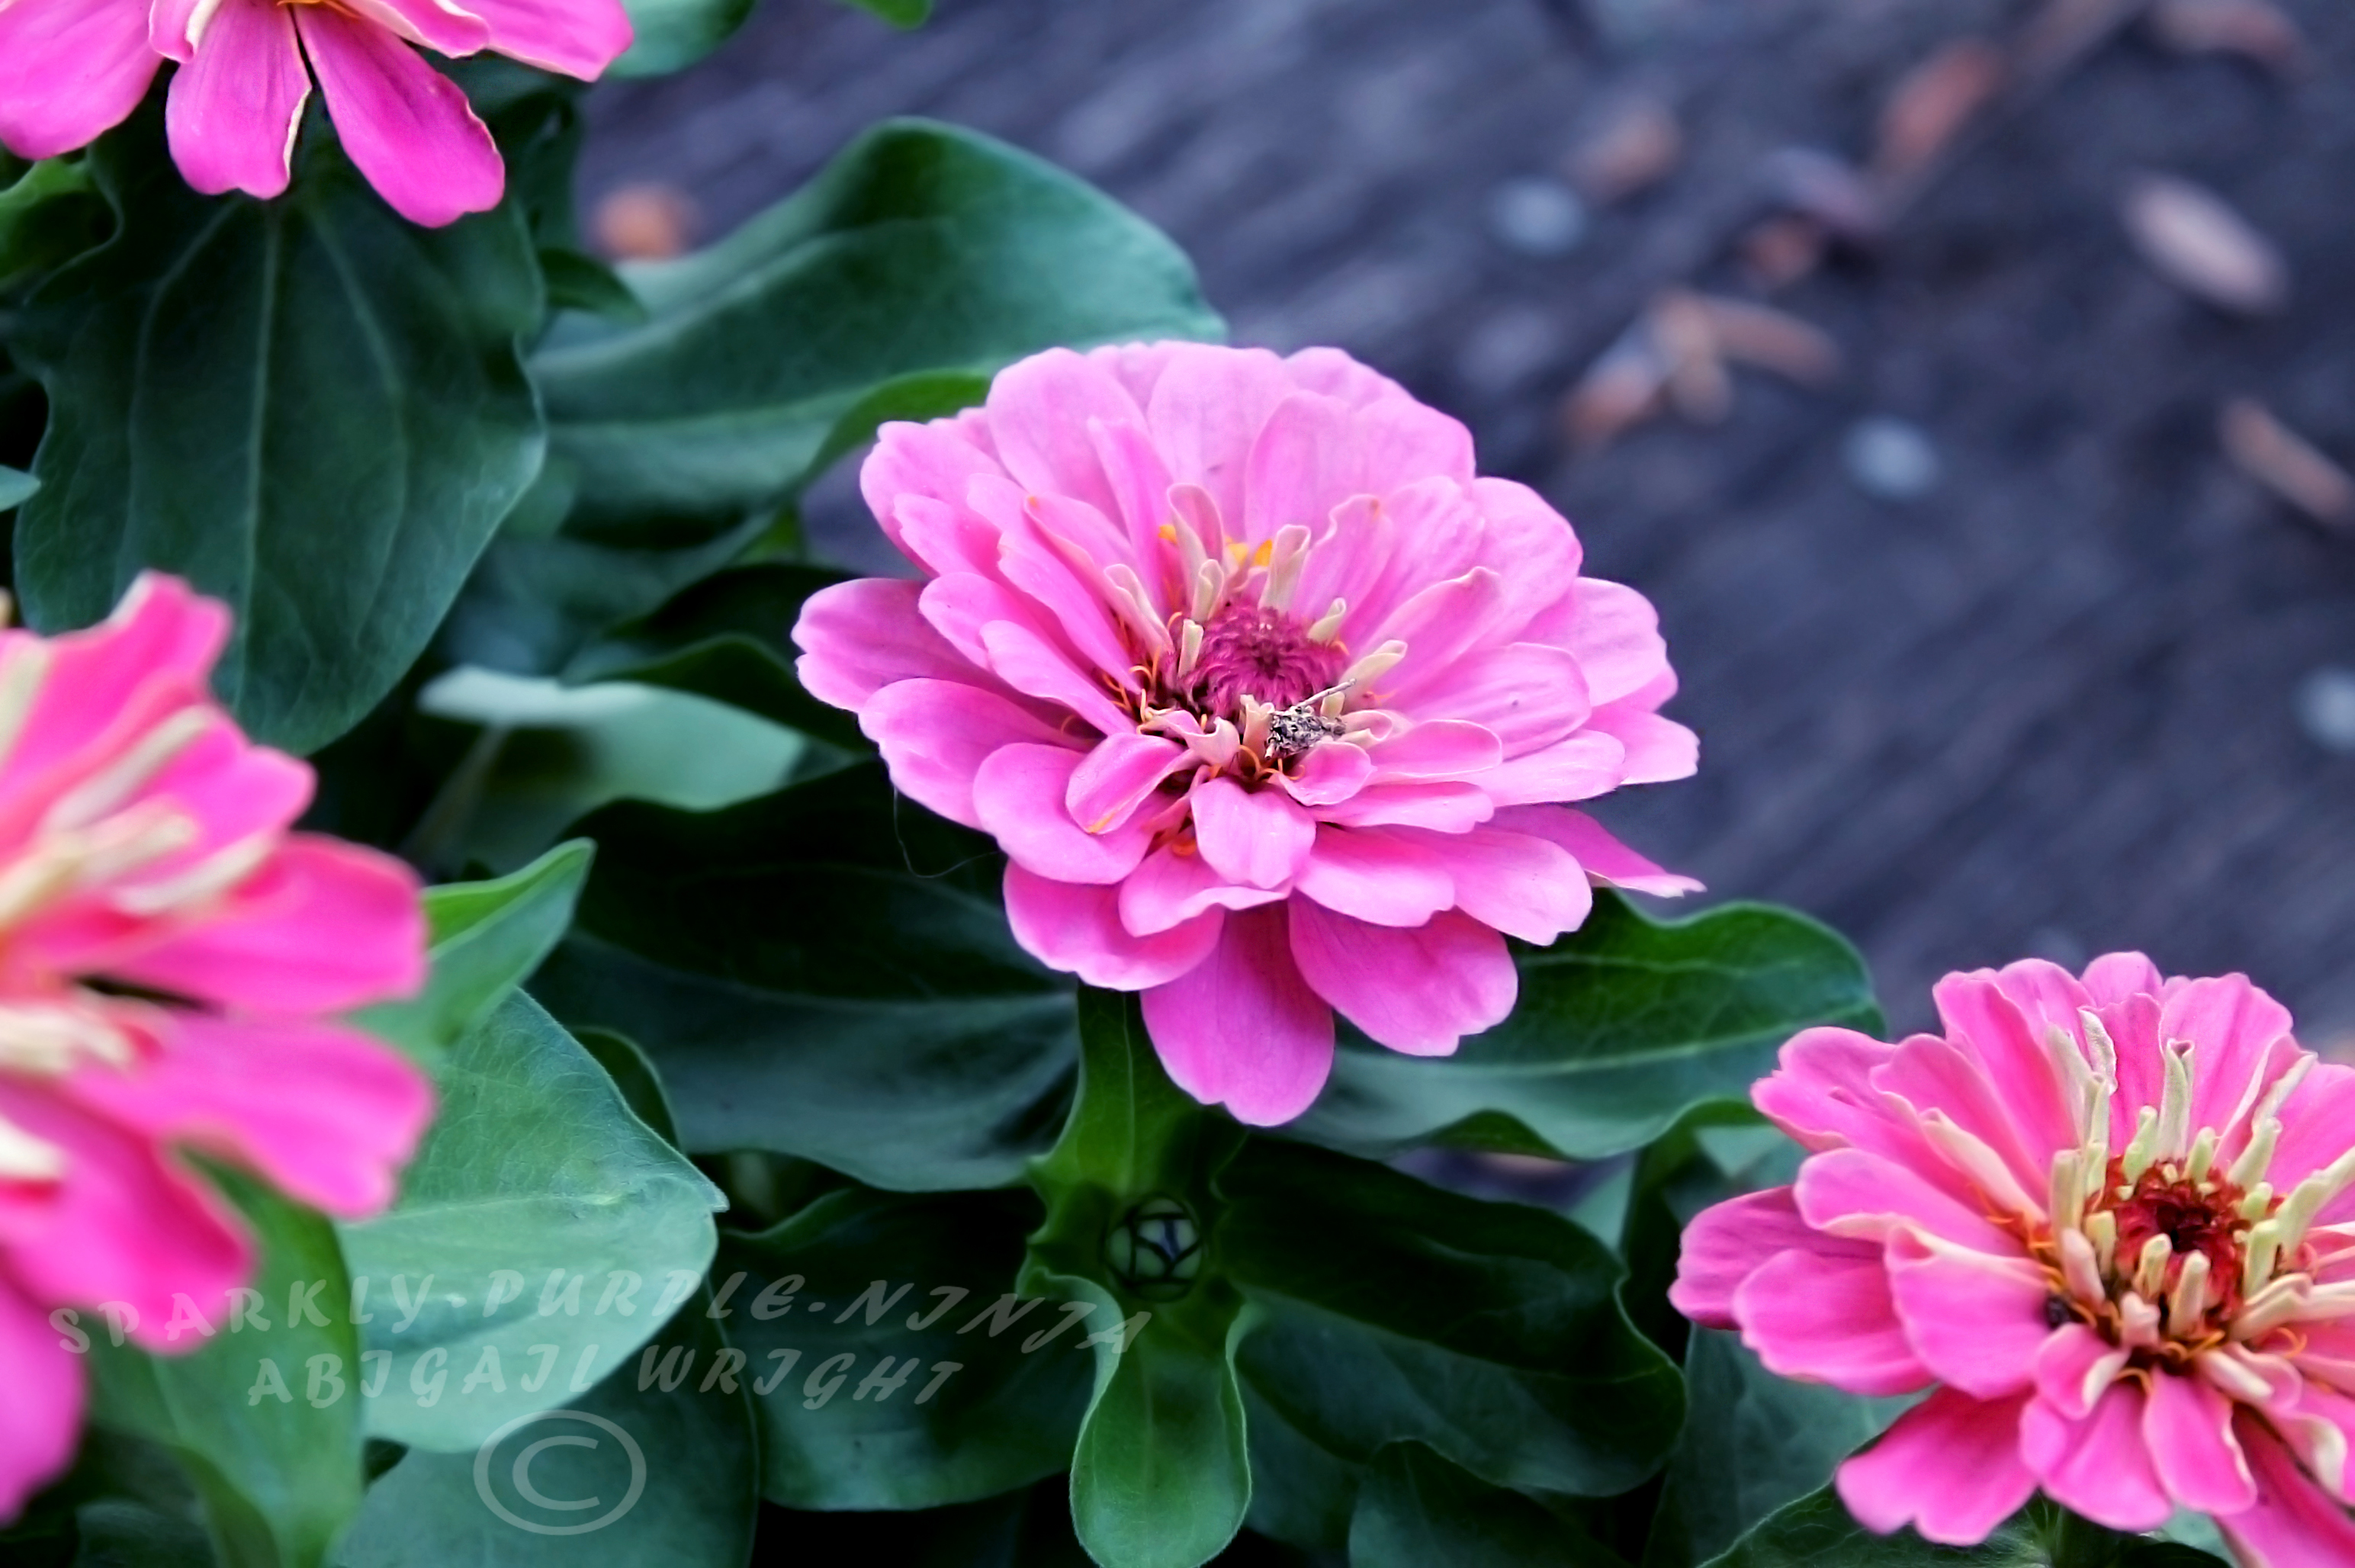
169	954
72	69
2107	1221
1271	702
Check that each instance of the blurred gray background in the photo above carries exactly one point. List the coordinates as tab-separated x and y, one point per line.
2000	637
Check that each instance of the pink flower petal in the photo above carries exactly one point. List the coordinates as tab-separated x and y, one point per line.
2293	1523
1304	462
329	1115
1171	888
2099	1465
1652	749
1417	991
2074	1368
1038	414
123	1225
407	126
1036	667
2114	976
1140	483
70	70
1077	929
1116	777
1440	624
1617	639
1241	1029
1377	875
1528	696
1602	857
1329	775
1444	749
436	25
1578	767
1854	1192
322	927
1827	1320
2233	1027
1523	885
1207	410
935	735
162	640
573	38
858	637
1729	1241
922	471
2188	1426
1443	807
1950	1468
1258	837
232	110
2314	1122
1017	794
41	1418
1982	1017
1929	1074
1976	1321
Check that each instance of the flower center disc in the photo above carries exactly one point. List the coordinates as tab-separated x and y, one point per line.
1250	650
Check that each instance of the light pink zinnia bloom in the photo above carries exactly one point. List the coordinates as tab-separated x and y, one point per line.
143	849
1269	699
72	69
2107	1221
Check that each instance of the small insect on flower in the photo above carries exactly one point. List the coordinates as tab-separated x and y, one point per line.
2109	1222
1274	704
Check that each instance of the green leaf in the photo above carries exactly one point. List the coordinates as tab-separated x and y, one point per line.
538	1197
308	407
266	1421
837	1290
899	13
822	973
1753	1442
633	1071
1161	1476
1622	1027
672	35
47	214
1392	1311
923	249
677	1469
1816	1532
487	938
1416	1510
729	637
576	281
15	487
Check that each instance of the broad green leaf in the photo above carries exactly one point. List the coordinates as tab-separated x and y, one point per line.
1161	1476
576	281
672	35
1816	1532
1416	1510
1622	1027
15	487
899	13
640	1476
1027	1529
921	249
266	1415
822	973
729	637
1394	1311
308	407
1752	1442
116	1532
487	938
543	1233
861	1407
626	1063
47	214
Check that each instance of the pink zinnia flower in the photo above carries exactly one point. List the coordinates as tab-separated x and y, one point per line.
72	69
1269	699
2106	1222
166	949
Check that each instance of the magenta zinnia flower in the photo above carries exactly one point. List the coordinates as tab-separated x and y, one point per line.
1269	699
167	950
2107	1221
72	69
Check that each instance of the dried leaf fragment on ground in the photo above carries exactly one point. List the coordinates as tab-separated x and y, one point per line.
2196	241
2286	463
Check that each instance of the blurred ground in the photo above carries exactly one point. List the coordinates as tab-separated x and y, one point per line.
2088	687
